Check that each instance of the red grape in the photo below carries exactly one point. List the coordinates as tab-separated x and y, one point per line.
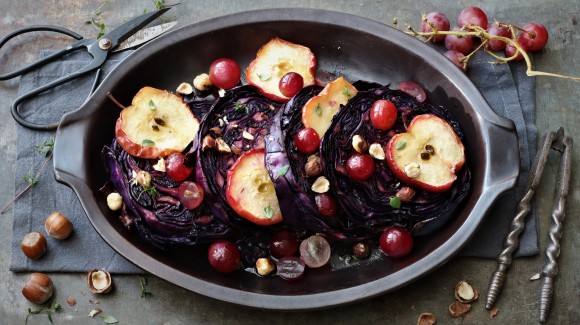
383	114
414	90
307	140
439	21
224	256
283	243
459	43
175	167
326	204
360	166
290	268
455	57
496	30
472	16
224	73
190	195
534	38
290	84
315	251
396	242
510	51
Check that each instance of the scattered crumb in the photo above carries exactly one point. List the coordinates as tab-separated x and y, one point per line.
413	307
94	302
427	319
71	301
458	309
535	277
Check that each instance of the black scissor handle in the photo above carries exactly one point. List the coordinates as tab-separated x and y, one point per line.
43	61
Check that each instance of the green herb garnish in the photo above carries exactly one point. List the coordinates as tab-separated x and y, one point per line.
268	212
346	92
240	106
152	105
48	311
147	143
144	291
401	145
283	170
395	202
108	319
46	147
264	76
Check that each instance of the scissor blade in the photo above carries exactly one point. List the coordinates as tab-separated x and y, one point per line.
124	31
144	36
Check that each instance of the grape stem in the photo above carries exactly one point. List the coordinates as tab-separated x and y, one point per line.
482	34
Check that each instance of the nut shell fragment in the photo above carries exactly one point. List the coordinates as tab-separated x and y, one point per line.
99	281
426	319
458	309
465	293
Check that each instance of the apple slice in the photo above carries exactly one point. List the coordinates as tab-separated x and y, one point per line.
155	125
250	190
319	110
428	155
274	60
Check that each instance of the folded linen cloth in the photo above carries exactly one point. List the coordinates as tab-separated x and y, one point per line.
506	87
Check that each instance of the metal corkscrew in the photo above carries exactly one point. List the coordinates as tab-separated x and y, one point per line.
556	141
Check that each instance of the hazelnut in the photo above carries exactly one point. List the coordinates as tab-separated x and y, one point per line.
222	146
376	151
412	170
313	168
465	293
38	289
71	301
361	250
34	245
99	281
160	165
114	201
264	266
202	82
207	142
143	178
427	319
405	194
58	226
359	144
184	88
321	185
312	158
458	309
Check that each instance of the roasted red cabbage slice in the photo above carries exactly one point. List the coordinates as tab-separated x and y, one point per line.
366	204
237	122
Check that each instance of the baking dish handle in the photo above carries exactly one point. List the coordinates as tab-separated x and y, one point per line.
503	156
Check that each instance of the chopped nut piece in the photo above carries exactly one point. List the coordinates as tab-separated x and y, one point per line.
535	277
412	170
143	178
264	266
207	142
184	88
405	194
376	151
247	135
465	293
493	312
313	168
71	301
114	201
160	165
202	82
94	312
426	319
359	144
321	185
222	146
216	130
235	150
222	92
313	157
458	309
361	250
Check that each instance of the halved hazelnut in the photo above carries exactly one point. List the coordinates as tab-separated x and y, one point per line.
313	168
376	151
412	170
465	293
321	185
222	146
359	144
184	88
264	266
202	82
99	281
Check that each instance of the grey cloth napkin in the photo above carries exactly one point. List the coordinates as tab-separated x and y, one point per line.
506	87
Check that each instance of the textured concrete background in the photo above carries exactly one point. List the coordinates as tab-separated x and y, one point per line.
556	106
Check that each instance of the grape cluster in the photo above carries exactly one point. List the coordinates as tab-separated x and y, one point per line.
473	30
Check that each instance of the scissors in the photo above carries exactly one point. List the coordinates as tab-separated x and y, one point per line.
97	48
